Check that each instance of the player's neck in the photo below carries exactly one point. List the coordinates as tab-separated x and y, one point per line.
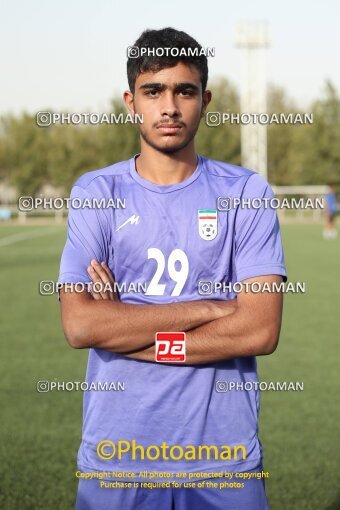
164	169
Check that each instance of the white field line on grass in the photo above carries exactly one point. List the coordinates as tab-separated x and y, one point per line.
22	236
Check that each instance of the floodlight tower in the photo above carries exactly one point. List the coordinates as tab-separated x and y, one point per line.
253	39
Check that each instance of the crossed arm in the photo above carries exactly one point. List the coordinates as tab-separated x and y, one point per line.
215	330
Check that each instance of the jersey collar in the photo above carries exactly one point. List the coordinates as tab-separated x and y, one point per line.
167	188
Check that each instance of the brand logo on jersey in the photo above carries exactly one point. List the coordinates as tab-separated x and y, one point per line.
170	347
207	224
134	220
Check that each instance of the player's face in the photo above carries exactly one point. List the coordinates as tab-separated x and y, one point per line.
172	105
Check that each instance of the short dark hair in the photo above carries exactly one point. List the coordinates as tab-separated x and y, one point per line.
166	38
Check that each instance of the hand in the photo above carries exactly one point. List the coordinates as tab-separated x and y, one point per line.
105	282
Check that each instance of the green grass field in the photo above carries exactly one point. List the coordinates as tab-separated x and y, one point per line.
40	432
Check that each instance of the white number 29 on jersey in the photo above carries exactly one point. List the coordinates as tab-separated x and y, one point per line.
180	277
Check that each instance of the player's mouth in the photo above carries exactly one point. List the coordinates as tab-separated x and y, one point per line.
169	128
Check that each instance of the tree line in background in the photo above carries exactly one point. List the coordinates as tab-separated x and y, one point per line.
31	156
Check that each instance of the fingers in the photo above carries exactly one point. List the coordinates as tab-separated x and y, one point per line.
108	272
94	289
103	277
112	280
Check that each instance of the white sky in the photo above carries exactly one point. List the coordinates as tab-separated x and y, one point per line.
70	55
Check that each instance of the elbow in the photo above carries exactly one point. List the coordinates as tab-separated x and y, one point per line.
76	319
75	341
269	347
264	340
268	341
75	334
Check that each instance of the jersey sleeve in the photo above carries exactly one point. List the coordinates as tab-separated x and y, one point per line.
258	245
86	239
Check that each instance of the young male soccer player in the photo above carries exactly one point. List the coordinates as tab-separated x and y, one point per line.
172	236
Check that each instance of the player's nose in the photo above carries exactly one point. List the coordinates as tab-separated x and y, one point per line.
169	105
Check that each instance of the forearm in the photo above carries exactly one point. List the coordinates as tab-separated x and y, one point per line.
233	336
204	344
122	327
225	339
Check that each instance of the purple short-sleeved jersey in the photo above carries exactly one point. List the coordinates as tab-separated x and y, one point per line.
168	238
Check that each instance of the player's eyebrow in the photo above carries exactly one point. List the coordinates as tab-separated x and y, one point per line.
152	86
186	85
178	86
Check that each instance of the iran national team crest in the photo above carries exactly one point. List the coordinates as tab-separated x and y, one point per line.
207	223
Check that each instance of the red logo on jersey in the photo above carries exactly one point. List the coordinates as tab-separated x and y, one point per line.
170	346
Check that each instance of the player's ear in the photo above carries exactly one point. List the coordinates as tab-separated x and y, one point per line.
207	95
128	100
